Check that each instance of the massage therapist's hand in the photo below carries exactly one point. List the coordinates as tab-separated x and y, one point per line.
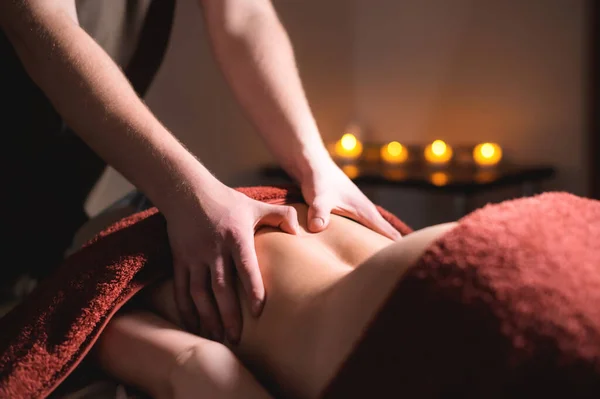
212	238
328	190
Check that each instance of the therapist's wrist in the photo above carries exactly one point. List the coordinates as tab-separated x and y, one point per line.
307	163
178	180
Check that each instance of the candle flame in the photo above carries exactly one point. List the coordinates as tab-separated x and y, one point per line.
349	141
438	153
438	147
394	153
487	154
348	147
487	150
394	148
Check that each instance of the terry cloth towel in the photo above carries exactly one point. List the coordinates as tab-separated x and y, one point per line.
505	305
45	337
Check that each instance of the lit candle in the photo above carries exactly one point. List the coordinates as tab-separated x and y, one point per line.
348	147
438	153
487	154
394	153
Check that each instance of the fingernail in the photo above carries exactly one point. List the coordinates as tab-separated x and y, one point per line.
257	307
232	336
317	223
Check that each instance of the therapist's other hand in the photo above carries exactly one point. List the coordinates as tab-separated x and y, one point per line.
328	190
212	239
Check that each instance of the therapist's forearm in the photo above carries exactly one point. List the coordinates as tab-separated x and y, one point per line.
93	96
258	62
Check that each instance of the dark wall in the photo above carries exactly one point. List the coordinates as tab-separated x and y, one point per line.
594	148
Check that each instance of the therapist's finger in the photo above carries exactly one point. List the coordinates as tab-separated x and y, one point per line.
183	300
283	217
372	219
223	286
200	290
246	263
319	214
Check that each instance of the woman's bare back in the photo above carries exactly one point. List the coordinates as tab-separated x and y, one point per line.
318	299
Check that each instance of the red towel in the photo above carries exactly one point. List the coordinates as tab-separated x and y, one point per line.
44	338
506	305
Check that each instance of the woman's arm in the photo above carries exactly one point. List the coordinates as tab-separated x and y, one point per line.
148	352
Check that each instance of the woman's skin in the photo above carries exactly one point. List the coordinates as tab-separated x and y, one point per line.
322	290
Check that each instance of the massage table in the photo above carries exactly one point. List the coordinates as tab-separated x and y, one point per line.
503	305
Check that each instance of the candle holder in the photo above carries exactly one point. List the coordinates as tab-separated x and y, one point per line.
395	174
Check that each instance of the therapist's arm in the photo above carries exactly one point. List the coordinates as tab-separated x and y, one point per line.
208	223
93	96
257	59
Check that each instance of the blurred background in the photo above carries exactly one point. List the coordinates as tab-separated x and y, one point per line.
508	71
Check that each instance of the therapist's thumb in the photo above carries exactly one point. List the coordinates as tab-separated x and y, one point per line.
318	216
